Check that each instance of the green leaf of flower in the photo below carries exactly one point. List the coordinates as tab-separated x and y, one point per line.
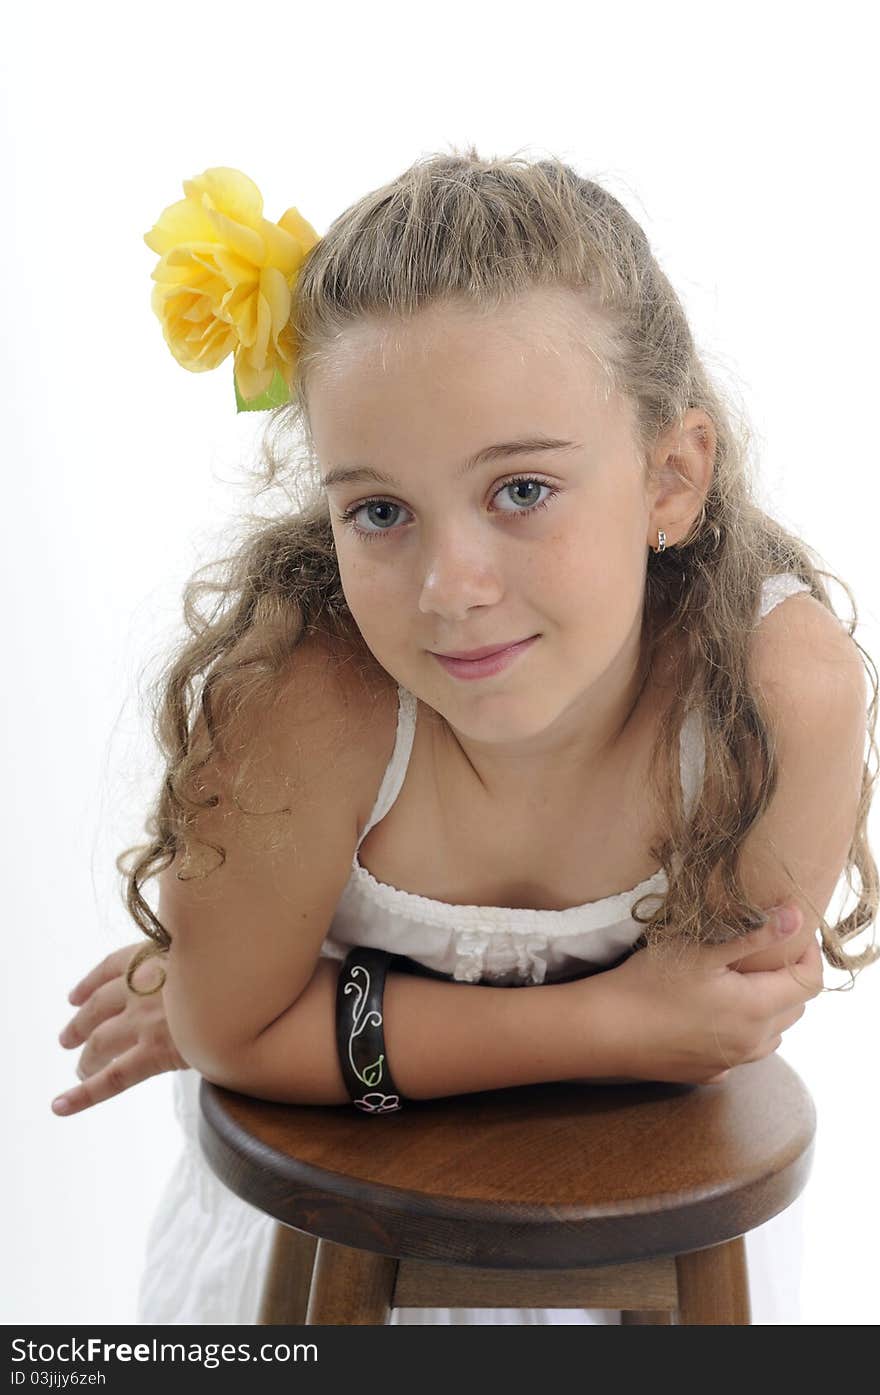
275	395
371	1075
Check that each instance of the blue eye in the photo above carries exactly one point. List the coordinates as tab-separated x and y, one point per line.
368	534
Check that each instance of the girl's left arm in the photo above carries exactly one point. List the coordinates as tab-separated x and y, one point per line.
810	676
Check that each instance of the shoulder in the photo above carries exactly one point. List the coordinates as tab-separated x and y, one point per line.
806	665
338	697
324	725
808	674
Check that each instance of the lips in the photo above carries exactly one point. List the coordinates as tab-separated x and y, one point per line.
479	653
495	662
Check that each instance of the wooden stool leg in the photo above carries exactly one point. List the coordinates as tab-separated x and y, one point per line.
713	1286
285	1295
350	1288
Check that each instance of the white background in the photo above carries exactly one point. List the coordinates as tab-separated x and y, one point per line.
742	136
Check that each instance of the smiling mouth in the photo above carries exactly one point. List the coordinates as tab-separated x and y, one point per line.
484	653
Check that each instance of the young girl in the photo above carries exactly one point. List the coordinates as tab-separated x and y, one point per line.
509	442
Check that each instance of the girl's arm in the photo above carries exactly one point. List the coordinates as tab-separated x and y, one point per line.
290	781
441	1037
633	1022
810	677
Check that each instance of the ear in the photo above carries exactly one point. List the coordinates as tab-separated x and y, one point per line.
680	473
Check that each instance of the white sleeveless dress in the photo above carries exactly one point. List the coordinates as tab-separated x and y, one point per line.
207	1251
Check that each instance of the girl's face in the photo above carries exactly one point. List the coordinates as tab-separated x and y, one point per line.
448	545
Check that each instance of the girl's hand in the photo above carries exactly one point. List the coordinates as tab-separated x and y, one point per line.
694	1020
126	1037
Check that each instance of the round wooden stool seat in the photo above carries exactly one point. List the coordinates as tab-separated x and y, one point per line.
543	1195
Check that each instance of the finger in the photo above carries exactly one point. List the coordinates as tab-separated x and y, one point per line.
110	967
812	955
809	970
108	1042
127	1070
763	937
767	1046
809	963
104	1002
771	993
786	1020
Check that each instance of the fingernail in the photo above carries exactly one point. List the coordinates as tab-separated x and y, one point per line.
61	1105
71	997
786	921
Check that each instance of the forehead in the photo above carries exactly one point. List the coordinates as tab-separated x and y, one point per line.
454	368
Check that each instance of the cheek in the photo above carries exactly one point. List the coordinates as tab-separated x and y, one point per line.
369	590
588	588
578	571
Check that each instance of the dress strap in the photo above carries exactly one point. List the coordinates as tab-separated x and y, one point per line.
776	588
395	771
692	759
692	746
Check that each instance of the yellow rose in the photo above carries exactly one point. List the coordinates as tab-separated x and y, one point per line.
224	278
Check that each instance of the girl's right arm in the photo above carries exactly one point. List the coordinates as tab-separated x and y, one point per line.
635	1022
442	1038
246	930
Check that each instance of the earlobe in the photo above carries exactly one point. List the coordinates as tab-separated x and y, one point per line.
682	470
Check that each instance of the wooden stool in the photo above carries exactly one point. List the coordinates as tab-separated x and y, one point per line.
630	1197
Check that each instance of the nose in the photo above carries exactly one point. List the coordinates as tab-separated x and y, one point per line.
460	572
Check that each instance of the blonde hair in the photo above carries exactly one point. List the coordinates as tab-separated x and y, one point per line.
480	232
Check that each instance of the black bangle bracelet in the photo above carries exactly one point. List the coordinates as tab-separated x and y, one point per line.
360	1039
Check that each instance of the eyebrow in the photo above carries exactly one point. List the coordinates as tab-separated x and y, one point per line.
525	445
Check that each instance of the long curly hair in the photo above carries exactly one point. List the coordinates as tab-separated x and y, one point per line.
458	227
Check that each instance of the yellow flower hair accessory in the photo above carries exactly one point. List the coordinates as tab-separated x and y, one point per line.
224	280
